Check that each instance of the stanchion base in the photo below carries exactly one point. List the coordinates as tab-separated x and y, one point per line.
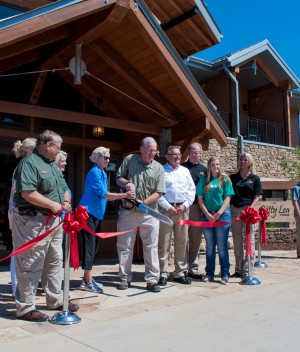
64	318
260	264
249	280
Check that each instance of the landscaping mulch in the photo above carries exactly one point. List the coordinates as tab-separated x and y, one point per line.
279	246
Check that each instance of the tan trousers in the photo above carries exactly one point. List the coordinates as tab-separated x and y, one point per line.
194	240
238	236
133	220
41	262
180	234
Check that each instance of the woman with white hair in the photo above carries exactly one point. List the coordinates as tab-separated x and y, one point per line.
61	160
94	198
247	193
21	150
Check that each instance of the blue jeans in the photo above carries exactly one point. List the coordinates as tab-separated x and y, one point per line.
217	236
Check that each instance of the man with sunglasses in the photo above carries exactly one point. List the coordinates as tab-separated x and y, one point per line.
141	174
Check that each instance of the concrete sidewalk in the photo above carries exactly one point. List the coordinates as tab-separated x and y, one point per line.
206	316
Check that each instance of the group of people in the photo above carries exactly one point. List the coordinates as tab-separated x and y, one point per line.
187	191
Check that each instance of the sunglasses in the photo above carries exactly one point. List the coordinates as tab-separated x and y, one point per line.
106	157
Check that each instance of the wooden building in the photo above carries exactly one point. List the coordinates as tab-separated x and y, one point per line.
106	72
254	91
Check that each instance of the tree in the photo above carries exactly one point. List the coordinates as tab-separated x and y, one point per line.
292	166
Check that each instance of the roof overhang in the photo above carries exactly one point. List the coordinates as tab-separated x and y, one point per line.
188	24
151	83
256	66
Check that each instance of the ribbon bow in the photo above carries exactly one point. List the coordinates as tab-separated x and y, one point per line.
73	223
264	214
249	216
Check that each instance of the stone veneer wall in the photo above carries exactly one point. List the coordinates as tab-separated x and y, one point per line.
266	158
282	235
267	164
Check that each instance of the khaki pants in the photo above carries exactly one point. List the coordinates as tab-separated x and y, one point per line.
238	236
194	241
180	234
133	220
41	262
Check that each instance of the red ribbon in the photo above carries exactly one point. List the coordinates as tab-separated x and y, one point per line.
249	216
72	224
30	244
205	223
264	214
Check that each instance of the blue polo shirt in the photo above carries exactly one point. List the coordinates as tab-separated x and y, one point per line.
95	188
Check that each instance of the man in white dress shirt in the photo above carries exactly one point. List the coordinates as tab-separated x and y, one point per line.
180	194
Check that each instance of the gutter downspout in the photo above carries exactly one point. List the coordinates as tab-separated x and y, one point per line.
237	112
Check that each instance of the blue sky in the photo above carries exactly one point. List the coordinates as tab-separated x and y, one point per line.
246	22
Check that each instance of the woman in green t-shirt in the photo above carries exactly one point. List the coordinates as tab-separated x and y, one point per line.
214	193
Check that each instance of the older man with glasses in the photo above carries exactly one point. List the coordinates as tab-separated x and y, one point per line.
180	194
143	175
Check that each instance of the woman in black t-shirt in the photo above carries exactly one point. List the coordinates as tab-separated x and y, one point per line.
247	193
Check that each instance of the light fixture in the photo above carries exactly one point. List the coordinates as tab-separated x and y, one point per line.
98	131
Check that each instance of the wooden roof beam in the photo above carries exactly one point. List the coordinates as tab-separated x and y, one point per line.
183	17
38	24
193	131
25	4
196	128
92	92
76	117
174	70
88	143
35	42
131	75
267	71
37	89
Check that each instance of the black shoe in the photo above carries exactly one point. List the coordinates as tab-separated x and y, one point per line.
34	315
152	287
162	281
194	276
182	280
123	285
237	275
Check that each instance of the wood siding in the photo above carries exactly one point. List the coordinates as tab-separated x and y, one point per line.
294	127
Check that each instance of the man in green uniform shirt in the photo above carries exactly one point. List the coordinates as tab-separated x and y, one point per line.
143	175
40	190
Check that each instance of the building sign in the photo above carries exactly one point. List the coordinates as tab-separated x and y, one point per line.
280	211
